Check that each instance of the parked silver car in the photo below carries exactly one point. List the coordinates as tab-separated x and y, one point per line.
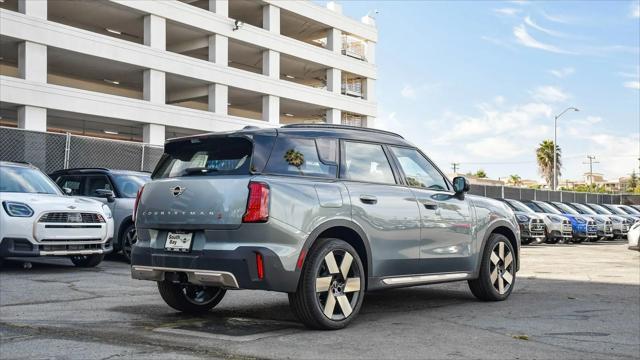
558	227
621	224
116	188
321	212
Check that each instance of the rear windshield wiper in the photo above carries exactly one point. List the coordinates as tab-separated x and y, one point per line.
198	170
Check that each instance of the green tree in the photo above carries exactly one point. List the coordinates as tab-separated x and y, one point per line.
633	182
515	180
480	174
544	157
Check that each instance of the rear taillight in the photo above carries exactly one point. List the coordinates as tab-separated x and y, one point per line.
135	205
258	204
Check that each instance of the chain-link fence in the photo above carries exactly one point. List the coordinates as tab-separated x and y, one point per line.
53	151
547	195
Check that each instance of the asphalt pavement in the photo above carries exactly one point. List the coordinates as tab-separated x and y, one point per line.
570	302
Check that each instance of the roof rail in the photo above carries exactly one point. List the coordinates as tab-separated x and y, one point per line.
84	169
344	127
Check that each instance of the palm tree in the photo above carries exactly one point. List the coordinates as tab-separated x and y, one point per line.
544	156
481	174
515	180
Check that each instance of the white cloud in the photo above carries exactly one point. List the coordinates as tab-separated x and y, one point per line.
563	72
408	92
550	94
507	11
497	147
632	85
523	37
557	18
534	25
635	10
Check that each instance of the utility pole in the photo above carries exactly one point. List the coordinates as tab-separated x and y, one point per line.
455	167
591	159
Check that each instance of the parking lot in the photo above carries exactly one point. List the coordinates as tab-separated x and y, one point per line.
571	301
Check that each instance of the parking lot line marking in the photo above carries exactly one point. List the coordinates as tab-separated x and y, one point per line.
215	336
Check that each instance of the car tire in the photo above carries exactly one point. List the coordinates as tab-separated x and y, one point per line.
128	239
87	261
526	241
551	240
497	275
191	299
331	287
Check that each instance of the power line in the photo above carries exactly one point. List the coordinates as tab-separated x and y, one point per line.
591	159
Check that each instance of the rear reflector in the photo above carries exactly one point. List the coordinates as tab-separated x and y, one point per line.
260	266
135	205
303	253
258	204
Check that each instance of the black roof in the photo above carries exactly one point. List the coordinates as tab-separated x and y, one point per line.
314	130
98	170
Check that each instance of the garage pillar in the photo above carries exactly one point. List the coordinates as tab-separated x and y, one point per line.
153	134
271	18
271	63
220	7
155	32
271	109
32	61
334	116
153	87
32	118
218	98
334	80
35	8
219	49
334	40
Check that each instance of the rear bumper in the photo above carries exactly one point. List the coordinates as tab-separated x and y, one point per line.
232	269
21	247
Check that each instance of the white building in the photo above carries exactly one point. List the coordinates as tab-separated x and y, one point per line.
150	70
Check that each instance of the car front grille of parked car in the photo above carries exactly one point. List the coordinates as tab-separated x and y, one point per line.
592	228
71	217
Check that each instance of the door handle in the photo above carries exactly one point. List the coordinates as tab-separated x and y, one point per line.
430	206
368	199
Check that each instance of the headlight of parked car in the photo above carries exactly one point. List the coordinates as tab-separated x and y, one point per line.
555	219
599	220
17	209
581	221
616	220
107	211
522	218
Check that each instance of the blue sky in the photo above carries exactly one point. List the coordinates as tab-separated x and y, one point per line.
478	82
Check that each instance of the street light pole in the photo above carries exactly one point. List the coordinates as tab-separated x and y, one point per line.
555	145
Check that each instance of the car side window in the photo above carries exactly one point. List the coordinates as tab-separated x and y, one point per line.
366	162
96	182
298	156
418	171
72	182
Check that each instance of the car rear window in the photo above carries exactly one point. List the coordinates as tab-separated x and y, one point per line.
205	157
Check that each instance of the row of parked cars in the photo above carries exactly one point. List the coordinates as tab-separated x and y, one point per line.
553	221
79	213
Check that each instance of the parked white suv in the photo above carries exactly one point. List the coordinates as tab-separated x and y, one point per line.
37	219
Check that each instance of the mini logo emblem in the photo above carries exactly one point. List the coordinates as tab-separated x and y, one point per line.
177	191
71	207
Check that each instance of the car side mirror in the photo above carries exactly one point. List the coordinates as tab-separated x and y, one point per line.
67	191
460	185
105	193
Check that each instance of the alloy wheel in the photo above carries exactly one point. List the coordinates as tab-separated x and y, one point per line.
338	287
502	268
130	238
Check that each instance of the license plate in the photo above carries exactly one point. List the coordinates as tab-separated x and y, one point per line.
178	242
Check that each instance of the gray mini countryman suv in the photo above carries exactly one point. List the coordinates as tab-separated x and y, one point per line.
321	212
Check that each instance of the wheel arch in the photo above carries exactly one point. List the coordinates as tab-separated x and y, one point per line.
506	229
347	231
